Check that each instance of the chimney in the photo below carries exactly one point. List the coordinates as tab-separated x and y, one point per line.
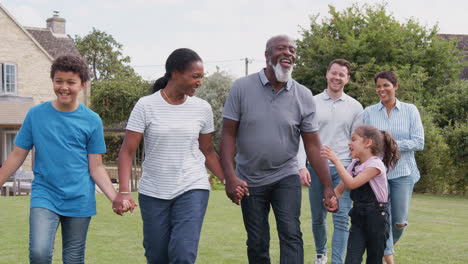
56	24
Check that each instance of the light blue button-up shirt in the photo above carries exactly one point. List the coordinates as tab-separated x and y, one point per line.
404	124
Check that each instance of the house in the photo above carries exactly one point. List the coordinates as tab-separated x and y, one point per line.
462	44
26	55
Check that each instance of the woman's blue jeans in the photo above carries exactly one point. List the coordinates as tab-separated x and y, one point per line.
171	228
43	224
319	218
284	196
401	190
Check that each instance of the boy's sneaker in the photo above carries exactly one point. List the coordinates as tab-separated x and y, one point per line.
321	259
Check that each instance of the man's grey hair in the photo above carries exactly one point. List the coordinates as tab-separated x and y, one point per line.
271	41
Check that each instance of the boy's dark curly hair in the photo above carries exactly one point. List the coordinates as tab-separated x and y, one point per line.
70	63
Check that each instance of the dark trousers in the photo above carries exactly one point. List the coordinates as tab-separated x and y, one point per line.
369	231
284	196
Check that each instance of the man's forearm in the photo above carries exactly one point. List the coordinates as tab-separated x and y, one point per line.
227	148
227	152
312	148
320	167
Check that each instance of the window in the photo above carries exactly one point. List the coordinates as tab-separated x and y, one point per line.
9	139
8	78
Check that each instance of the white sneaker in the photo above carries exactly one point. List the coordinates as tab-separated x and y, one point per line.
321	259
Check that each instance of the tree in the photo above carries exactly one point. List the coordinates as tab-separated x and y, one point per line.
373	41
104	55
451	104
428	68
214	90
115	85
114	99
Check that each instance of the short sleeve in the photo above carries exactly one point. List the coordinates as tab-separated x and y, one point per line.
24	139
378	164
232	105
208	121
137	120
96	143
309	122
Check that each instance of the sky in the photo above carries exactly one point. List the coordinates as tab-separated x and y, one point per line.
222	32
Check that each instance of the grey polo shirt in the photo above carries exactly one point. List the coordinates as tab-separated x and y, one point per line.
269	124
337	120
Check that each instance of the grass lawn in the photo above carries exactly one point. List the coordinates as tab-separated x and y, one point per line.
438	233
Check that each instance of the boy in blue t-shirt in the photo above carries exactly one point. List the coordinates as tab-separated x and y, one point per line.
69	142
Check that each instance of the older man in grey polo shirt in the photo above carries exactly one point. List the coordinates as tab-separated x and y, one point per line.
338	115
264	116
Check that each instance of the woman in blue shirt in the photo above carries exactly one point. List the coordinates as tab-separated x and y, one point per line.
403	122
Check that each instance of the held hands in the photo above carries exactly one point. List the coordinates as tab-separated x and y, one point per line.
122	203
236	189
330	201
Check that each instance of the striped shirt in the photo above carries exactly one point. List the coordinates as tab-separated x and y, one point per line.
404	124
173	161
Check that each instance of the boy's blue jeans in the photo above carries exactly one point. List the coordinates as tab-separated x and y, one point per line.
319	218
171	228
43	224
401	190
284	196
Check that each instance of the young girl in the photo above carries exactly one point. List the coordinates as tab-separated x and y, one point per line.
372	151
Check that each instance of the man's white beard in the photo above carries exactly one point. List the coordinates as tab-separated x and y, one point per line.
282	74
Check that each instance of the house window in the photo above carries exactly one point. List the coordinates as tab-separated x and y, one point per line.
8	78
9	139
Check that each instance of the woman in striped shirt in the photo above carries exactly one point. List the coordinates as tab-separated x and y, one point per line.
177	128
403	122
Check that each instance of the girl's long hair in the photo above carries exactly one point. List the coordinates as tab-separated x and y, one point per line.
382	144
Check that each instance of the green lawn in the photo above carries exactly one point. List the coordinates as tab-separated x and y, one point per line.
438	233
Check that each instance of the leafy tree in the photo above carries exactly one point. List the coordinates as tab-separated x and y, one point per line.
214	90
104	55
451	104
374	40
115	86
114	99
457	139
434	162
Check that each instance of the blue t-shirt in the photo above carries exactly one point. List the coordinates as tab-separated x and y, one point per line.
62	141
